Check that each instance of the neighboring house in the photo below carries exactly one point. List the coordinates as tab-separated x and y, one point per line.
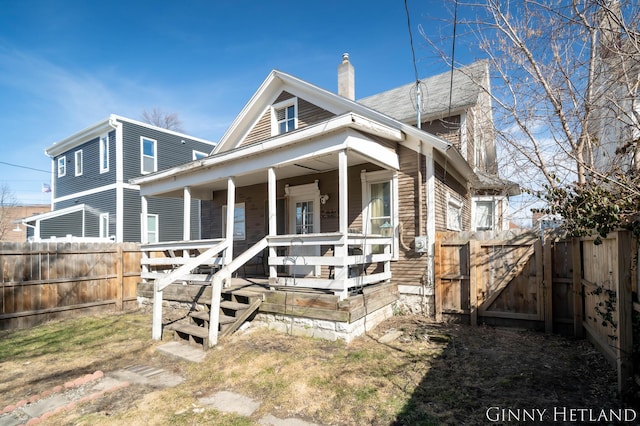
11	219
91	193
343	194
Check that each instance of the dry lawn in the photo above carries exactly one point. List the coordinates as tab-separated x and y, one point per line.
431	374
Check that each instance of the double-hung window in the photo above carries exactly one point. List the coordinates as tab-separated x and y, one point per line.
484	215
78	160
149	155
284	117
454	214
62	166
104	225
239	222
152	226
104	154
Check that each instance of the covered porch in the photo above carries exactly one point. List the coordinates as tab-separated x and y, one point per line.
314	210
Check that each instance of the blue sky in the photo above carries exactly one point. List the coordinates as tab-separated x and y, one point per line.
67	64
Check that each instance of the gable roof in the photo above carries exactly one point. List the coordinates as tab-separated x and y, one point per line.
103	126
463	89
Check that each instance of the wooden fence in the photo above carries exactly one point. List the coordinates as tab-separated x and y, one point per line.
569	287
43	281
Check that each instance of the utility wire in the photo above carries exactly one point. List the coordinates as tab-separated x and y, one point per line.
25	167
413	54
453	52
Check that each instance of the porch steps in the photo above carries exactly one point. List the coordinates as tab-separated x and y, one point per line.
236	306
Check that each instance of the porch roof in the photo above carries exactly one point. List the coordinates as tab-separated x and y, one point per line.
313	149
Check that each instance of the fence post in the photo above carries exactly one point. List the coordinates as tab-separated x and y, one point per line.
473	283
577	288
437	281
119	277
547	262
624	312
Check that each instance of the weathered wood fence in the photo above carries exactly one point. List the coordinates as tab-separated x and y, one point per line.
569	287
43	281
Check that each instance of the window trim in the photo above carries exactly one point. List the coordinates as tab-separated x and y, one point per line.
275	124
243	237
79	166
104	227
62	166
148	230
494	208
104	153
143	156
381	176
458	204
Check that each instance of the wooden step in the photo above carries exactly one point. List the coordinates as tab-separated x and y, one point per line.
193	330
235	306
206	316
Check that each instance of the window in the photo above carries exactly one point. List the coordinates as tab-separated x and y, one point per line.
148	148
380	206
238	221
284	117
198	155
454	214
104	225
484	217
152	228
104	154
78	157
62	166
304	217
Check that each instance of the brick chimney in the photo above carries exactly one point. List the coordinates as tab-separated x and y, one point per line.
346	80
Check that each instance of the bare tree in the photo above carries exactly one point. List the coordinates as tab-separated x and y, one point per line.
564	85
7	202
157	117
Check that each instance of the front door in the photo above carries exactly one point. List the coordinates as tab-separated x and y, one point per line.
304	218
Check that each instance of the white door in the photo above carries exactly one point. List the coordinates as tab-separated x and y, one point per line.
304	218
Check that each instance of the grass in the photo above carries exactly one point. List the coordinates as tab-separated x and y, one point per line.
433	374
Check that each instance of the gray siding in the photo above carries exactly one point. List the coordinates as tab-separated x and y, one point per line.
91	176
61	226
171	149
101	202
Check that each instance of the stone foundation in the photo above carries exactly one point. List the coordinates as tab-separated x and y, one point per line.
323	329
416	300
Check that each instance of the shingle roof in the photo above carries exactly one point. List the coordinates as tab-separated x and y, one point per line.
400	104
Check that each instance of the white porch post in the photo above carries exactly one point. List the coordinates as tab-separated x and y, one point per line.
431	216
342	250
273	224
156	328
186	227
231	203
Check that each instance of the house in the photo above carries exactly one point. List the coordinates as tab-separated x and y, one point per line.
91	193
11	220
341	199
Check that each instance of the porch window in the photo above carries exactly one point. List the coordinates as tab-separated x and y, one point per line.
104	154
149	155
152	228
454	214
104	225
284	117
484	217
380	205
239	222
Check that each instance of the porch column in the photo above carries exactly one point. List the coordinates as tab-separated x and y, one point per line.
231	204
186	226
342	250
156	325
431	215
273	224
144	208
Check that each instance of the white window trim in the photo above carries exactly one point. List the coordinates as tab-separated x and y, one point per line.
224	222
62	166
104	153
368	178
196	153
142	156
500	206
275	128
455	202
146	229
104	233
79	165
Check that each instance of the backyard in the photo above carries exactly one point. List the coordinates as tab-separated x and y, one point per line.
424	373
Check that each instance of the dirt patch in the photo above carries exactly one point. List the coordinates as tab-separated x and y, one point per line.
425	373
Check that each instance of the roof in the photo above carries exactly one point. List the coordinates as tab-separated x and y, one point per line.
399	104
490	182
106	125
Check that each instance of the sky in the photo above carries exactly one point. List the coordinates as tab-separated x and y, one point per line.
67	64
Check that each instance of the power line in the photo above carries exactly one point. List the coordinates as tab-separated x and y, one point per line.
453	52
25	167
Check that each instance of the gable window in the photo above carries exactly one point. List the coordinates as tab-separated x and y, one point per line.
239	228
285	117
149	154
152	228
380	206
62	166
104	225
454	214
78	159
104	154
484	215
198	155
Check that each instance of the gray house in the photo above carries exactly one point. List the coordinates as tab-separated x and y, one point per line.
91	193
